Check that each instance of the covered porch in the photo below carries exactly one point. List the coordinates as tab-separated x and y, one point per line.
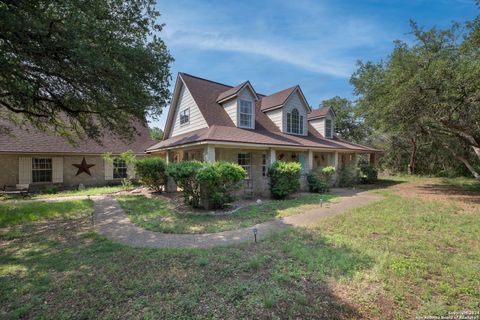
255	159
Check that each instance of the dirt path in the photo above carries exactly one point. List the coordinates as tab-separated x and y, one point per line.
112	221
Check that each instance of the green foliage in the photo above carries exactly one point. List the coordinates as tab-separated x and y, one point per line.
127	156
284	178
152	172
347	177
51	190
320	180
156	133
316	183
127	184
348	122
218	180
185	175
368	174
67	64
422	101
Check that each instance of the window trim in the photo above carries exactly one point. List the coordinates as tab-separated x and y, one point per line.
115	161
264	164
251	114
44	170
181	114
247	167
326	128
299	123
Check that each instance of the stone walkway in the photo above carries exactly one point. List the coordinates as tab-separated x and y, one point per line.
111	221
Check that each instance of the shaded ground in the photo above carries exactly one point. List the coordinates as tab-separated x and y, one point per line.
445	190
398	258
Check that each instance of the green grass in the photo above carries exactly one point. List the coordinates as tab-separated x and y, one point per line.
18	213
468	184
93	191
395	259
158	214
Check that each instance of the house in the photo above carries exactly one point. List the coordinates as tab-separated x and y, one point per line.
38	159
211	121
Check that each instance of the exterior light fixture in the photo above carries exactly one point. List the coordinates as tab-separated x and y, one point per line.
255	234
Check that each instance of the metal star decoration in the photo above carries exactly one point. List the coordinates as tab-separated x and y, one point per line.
83	167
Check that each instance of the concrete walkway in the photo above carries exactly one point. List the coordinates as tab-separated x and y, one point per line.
111	221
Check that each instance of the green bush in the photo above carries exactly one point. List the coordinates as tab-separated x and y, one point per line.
218	181
320	180
368	174
185	175
127	184
284	178
316	183
347	177
152	172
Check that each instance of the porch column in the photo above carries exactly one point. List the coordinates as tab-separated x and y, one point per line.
373	159
168	157
355	160
309	161
335	160
273	156
209	153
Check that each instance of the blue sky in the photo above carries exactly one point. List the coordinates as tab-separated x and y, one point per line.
277	44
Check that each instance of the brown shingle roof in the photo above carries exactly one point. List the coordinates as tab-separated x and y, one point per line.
222	128
230	92
276	99
318	113
35	141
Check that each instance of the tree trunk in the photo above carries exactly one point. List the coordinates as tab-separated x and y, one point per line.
413	157
467	164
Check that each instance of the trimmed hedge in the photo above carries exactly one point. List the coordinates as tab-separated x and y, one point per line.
368	174
185	175
284	178
152	172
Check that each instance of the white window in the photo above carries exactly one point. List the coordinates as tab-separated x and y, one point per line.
294	122
328	128
42	170
246	114
185	116
119	169
244	160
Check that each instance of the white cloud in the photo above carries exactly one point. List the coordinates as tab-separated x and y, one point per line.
305	35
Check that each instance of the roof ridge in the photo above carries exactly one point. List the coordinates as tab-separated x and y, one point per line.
200	78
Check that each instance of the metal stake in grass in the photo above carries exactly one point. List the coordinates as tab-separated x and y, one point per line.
255	233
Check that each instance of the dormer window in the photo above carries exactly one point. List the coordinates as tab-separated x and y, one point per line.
185	116
328	128
294	122
246	114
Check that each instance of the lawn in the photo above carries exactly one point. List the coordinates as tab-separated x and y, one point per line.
159	215
93	191
394	259
19	213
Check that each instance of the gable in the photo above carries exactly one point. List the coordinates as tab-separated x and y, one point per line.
295	101
185	101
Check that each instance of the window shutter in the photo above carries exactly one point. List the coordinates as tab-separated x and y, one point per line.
108	170
57	170
130	171
24	170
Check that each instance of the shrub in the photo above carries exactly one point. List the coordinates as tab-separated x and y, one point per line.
185	175
127	184
347	177
368	174
218	180
316	183
320	180
327	174
152	172
284	178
